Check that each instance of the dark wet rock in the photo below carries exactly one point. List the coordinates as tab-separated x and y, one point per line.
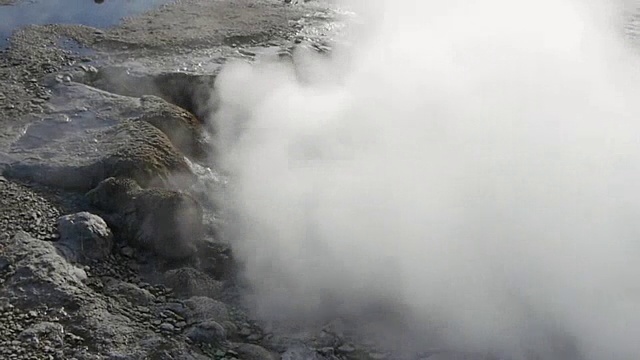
165	221
200	309
188	281
130	292
252	352
91	135
4	263
41	273
84	237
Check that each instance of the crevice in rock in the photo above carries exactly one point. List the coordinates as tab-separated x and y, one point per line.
189	91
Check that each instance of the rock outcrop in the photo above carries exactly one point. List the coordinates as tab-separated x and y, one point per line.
166	222
84	237
82	142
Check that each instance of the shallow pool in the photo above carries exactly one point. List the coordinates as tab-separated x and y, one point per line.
98	13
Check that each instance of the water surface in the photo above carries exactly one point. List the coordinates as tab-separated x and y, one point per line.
97	13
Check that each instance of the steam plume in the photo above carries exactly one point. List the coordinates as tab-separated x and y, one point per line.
474	165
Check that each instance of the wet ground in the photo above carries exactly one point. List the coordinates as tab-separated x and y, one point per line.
96	13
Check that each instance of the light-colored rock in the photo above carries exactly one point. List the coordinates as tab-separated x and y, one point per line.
53	332
84	236
91	135
41	275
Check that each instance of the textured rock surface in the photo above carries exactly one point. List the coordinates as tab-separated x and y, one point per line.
24	209
90	135
188	281
165	221
40	273
84	237
208	331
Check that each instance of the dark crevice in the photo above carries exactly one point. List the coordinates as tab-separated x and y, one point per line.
188	91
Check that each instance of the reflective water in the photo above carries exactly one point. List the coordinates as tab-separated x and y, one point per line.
98	13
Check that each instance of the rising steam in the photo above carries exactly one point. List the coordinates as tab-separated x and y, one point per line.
474	165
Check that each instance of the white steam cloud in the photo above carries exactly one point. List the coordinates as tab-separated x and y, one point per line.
474	165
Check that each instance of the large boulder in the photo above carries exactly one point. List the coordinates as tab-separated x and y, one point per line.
187	281
41	274
84	237
180	126
90	135
208	332
199	309
166	222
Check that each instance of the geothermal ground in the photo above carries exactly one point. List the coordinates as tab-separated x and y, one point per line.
110	240
113	241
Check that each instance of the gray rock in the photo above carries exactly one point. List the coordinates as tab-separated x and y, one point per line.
252	352
52	332
41	274
188	91
200	309
72	147
166	327
84	237
209	332
131	292
188	281
165	221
